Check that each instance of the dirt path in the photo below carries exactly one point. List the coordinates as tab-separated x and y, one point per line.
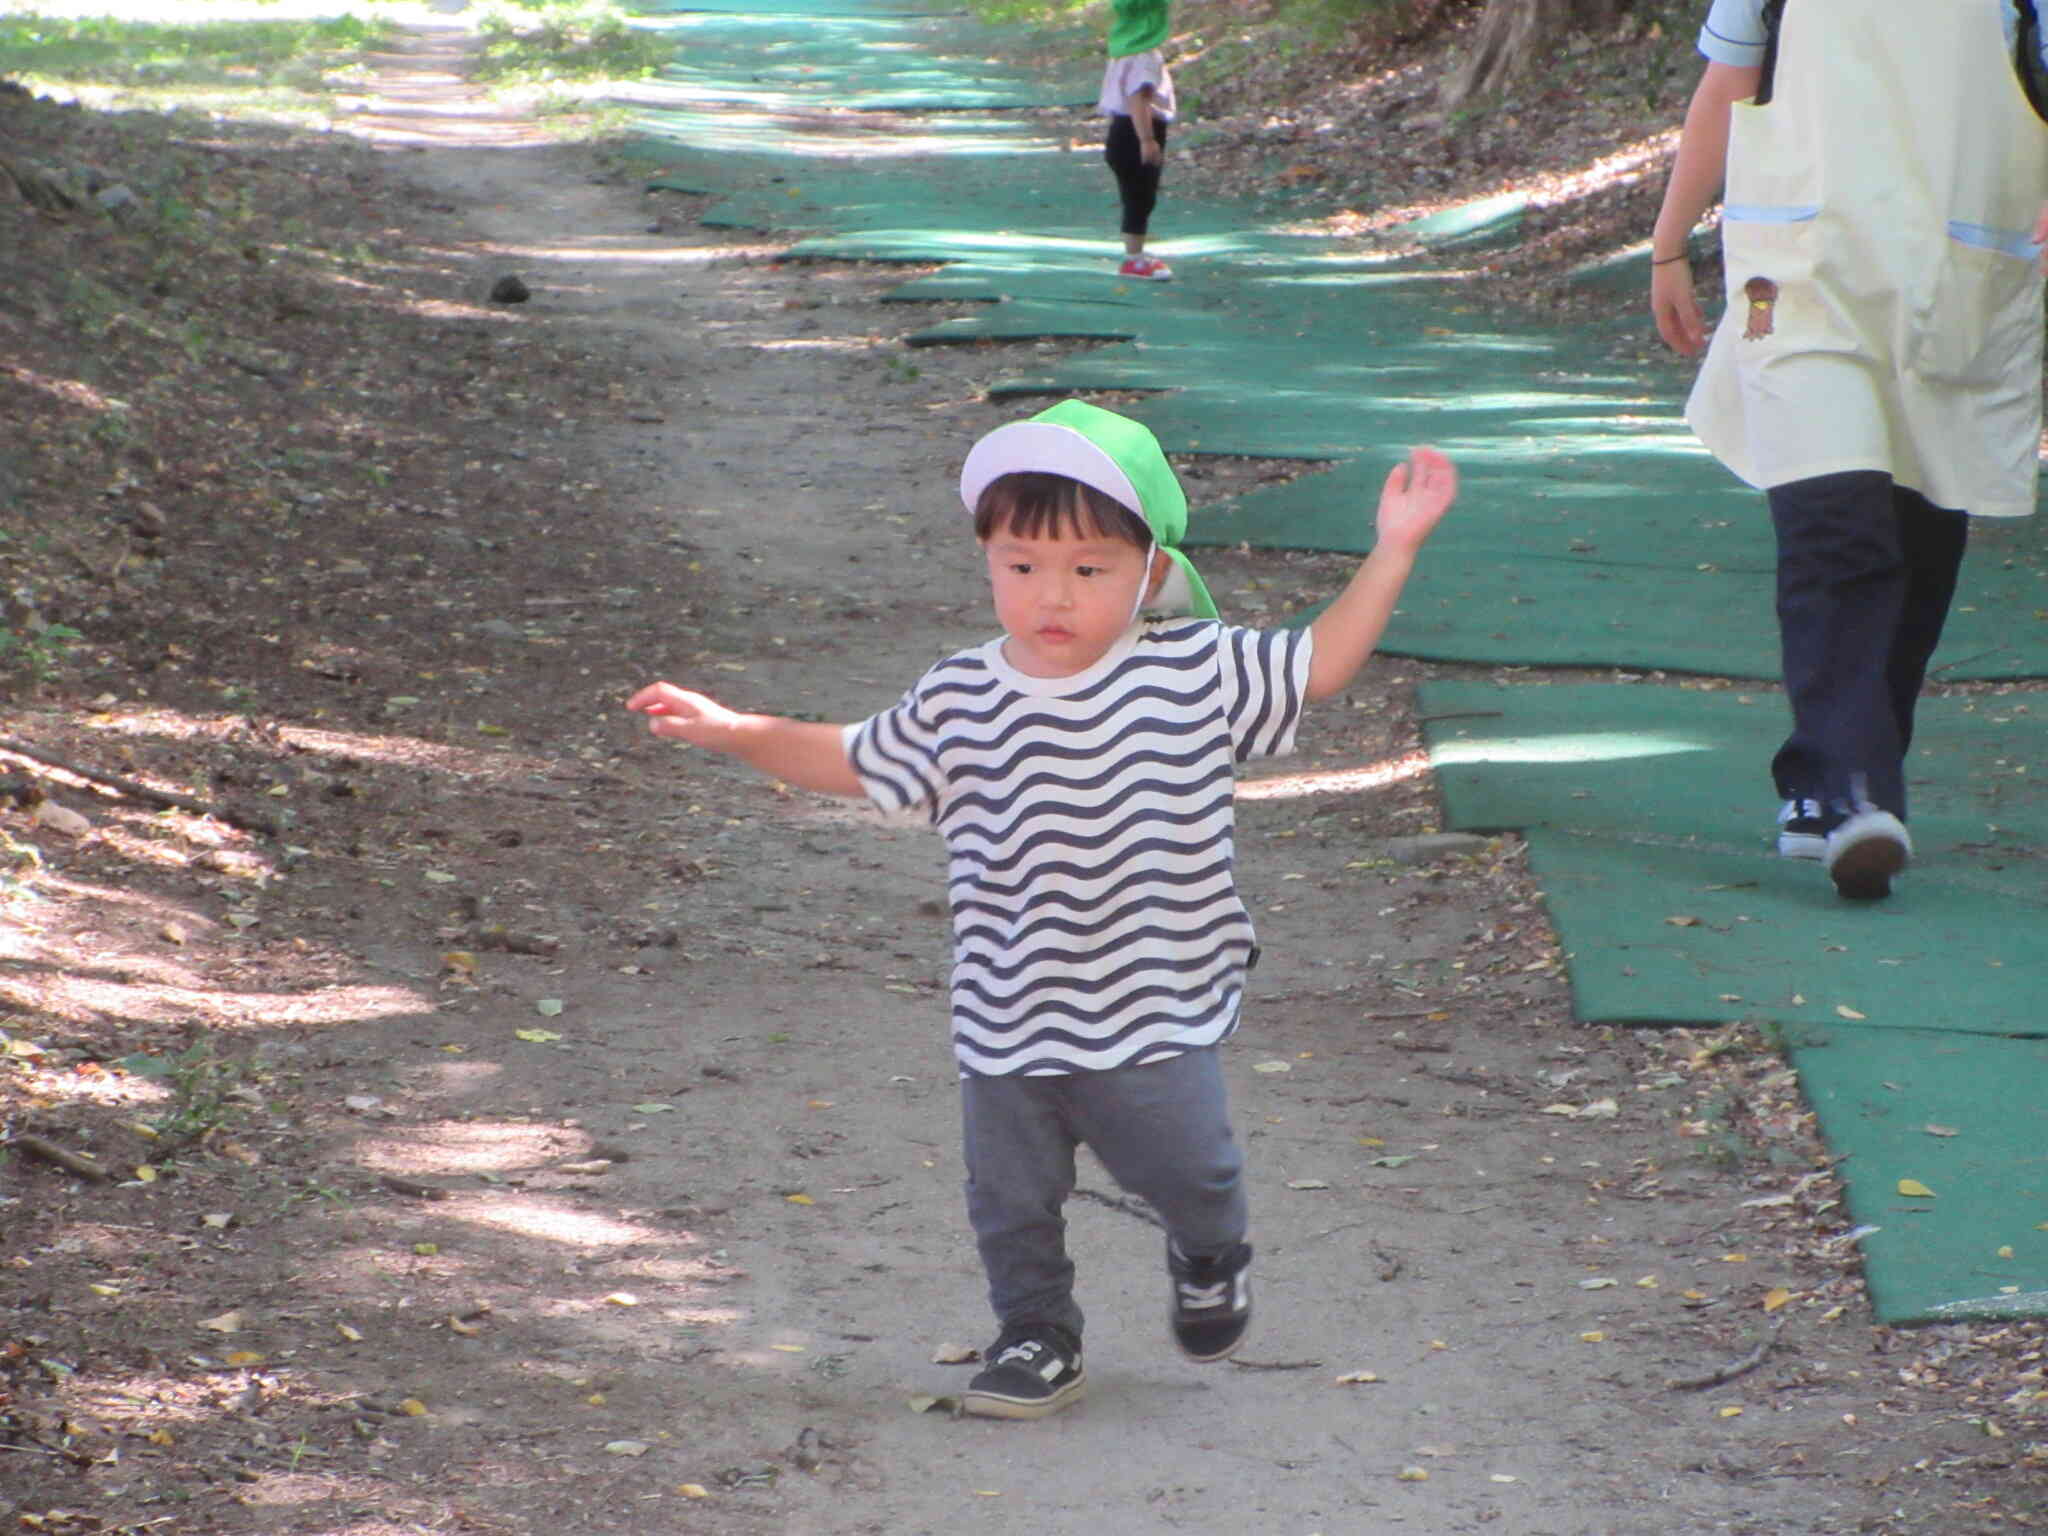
657	1217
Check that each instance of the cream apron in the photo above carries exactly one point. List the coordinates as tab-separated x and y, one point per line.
1884	301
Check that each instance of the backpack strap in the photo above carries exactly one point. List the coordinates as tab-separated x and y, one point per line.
1774	17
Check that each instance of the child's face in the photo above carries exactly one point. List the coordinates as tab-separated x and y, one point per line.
1064	598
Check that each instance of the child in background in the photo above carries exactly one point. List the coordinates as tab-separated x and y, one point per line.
1081	768
1137	98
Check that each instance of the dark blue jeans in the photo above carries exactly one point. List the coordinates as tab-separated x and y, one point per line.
1866	572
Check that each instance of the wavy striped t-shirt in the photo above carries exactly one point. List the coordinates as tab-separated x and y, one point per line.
1088	826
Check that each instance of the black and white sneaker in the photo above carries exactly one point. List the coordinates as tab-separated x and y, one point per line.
1212	1301
1031	1370
1803	827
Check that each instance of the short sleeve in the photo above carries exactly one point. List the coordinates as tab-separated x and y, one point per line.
1263	678
895	754
1734	33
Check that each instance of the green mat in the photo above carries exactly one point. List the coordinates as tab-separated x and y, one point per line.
1964	1116
1648	810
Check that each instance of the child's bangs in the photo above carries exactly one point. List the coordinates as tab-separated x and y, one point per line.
1033	505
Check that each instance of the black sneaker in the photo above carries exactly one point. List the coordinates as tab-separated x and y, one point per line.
1803	828
1212	1301
1032	1370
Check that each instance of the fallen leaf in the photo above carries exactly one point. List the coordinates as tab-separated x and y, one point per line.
1683	922
1392	1160
625	1447
1916	1189
1940	1130
1308	1183
548	1007
799	1199
226	1322
1413	1474
348	1333
1599	1283
1358	1379
426	1250
926	1404
1775	1298
244	1357
652	1108
622	1299
1595	1336
693	1491
1847	1012
413	1408
1273	1066
1732	1411
955	1354
537	1036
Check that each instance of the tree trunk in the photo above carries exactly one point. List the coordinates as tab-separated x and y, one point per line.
1514	33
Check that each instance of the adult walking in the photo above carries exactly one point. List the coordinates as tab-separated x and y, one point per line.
1877	371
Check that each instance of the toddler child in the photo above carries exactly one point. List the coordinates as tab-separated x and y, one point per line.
1080	768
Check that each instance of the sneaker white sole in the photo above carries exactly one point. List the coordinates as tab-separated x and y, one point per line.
995	1405
1865	852
1802	845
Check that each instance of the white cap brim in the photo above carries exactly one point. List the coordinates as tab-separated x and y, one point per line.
1044	447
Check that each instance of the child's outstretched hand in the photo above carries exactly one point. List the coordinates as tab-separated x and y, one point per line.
1416	495
687	716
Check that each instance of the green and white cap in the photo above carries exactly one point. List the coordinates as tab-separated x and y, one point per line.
1137	26
1116	456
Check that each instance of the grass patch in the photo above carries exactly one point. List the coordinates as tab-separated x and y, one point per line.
86	51
568	40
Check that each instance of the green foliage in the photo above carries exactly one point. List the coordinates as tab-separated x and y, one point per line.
36	651
100	50
568	40
204	1090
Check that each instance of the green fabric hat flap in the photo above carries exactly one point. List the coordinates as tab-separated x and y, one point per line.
1139	26
1118	457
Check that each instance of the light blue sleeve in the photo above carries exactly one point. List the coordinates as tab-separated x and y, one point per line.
1734	33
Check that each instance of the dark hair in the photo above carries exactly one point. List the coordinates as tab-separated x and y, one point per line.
1033	504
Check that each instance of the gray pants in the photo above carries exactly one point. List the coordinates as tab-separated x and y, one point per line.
1162	1131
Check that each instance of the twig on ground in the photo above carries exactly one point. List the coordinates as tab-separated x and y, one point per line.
74	1162
162	799
1277	1365
1732	1369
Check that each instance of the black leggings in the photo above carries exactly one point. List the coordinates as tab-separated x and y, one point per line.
1136	182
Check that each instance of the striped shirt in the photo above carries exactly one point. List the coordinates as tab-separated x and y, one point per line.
1088	826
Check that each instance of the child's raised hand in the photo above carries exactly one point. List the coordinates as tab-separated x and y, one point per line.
1416	495
687	716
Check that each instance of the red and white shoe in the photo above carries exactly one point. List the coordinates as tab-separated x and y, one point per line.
1149	268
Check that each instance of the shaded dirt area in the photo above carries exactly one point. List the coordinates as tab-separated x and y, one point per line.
489	1119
